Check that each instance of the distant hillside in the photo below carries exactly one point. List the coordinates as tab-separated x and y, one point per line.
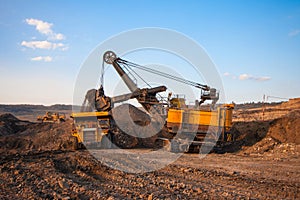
28	107
255	105
30	112
266	111
244	112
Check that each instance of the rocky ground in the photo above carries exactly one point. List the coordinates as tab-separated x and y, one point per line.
37	162
78	175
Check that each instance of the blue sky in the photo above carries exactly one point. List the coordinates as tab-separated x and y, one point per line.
254	44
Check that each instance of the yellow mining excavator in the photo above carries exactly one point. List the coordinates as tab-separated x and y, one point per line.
184	127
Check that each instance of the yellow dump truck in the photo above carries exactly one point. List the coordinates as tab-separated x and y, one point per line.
91	129
200	126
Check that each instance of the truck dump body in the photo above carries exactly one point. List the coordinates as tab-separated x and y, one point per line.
201	122
221	117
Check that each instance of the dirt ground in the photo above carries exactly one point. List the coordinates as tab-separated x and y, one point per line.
37	163
78	175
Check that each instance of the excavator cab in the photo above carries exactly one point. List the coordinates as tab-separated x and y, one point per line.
210	94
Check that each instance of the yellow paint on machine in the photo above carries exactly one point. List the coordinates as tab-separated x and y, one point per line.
90	114
220	117
87	126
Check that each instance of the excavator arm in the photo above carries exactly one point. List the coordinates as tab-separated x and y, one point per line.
145	96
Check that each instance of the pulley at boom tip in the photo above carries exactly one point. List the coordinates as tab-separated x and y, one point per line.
109	57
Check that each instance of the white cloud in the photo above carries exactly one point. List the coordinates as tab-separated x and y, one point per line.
57	45
37	44
263	78
294	33
57	36
43	45
227	74
40	26
65	48
42	58
45	29
243	77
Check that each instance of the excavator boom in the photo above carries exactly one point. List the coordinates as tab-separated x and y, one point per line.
145	96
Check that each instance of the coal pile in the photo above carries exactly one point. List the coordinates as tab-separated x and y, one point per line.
250	133
287	128
21	136
137	128
9	124
278	137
